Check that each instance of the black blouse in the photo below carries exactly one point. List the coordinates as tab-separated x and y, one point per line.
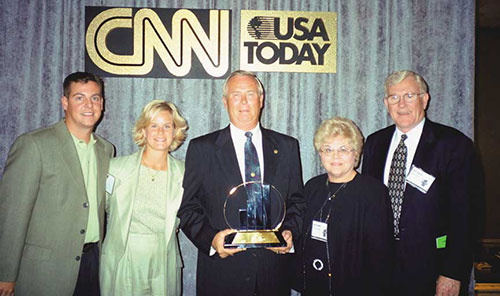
360	240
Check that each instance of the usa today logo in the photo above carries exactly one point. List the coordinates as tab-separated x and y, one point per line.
288	41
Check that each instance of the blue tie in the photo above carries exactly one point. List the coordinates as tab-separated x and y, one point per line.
257	202
252	167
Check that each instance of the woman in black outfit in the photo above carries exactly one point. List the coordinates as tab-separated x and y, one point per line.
347	235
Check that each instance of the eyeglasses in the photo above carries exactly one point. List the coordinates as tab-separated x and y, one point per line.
342	151
409	98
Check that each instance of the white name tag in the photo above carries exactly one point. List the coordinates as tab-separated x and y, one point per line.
110	183
420	179
319	231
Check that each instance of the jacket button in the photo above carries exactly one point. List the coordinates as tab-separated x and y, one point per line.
82	231
85	205
77	258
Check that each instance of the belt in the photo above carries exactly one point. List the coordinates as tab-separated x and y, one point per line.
88	246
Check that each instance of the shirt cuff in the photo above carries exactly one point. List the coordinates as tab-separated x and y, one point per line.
212	251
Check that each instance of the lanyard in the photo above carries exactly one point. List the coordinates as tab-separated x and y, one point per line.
330	197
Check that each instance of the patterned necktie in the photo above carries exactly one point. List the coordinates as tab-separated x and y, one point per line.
255	218
397	178
252	167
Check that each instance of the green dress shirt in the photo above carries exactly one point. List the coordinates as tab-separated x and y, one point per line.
88	162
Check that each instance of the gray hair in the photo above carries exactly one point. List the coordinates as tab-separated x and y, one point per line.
242	73
398	76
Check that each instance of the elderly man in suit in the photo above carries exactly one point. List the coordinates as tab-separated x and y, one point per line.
433	175
215	163
52	200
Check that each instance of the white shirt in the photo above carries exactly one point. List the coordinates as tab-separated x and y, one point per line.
411	144
239	139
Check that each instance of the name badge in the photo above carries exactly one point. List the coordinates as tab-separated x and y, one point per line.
319	231
110	183
420	179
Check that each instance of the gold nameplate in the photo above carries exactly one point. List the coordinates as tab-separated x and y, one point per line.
255	237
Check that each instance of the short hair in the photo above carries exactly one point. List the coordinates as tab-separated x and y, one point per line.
151	110
339	126
83	77
398	76
242	73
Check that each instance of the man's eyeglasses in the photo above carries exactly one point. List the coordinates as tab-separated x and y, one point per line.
409	98
342	151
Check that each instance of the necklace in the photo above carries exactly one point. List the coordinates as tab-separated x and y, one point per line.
330	197
150	174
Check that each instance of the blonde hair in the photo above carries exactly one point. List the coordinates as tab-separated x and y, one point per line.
398	76
339	126
151	110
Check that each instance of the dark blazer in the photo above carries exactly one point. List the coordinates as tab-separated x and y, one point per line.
446	209
211	171
43	208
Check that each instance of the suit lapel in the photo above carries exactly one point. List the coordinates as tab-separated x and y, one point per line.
102	169
226	156
271	155
129	175
424	146
174	195
70	157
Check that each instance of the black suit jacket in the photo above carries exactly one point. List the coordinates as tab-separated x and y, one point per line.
211	171
446	209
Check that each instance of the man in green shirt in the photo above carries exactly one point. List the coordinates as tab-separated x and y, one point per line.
52	200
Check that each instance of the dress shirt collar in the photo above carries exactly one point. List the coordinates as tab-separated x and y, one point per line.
238	137
79	143
239	134
413	135
411	144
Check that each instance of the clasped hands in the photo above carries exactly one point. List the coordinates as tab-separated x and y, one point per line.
218	243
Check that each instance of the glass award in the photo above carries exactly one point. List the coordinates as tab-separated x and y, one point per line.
256	210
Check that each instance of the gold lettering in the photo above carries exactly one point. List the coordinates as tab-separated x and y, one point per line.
150	35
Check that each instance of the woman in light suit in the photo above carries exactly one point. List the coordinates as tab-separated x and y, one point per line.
140	254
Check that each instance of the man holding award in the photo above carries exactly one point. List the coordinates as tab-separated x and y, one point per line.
260	164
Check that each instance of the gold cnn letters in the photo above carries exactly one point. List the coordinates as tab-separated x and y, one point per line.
150	36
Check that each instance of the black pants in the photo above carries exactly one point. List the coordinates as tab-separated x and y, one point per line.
88	275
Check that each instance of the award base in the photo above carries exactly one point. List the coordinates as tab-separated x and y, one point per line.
254	239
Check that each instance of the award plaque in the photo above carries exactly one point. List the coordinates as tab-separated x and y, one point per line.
256	210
